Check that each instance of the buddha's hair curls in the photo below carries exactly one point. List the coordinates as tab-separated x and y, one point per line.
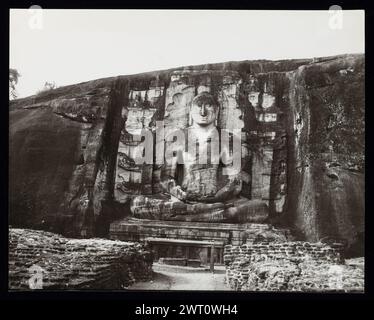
204	97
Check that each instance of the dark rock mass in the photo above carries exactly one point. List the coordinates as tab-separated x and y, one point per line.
303	127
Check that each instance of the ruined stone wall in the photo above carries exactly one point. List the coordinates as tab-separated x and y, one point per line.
293	250
70	264
291	266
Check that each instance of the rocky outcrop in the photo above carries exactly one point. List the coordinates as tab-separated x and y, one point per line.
71	149
55	144
60	149
326	130
44	260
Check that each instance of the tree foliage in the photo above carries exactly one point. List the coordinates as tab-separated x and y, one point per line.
47	87
13	80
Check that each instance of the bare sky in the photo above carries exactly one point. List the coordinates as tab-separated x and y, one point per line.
71	46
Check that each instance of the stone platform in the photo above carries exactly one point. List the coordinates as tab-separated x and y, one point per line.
133	229
196	235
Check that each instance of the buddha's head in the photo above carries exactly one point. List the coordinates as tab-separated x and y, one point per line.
204	109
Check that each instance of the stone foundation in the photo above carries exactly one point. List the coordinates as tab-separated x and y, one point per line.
132	229
51	262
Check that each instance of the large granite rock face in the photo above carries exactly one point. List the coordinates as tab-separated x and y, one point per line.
60	147
326	130
72	166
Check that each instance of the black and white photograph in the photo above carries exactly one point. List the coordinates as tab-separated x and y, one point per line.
186	150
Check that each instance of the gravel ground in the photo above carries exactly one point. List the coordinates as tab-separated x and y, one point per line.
165	279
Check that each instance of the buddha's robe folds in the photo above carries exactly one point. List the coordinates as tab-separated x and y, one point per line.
195	191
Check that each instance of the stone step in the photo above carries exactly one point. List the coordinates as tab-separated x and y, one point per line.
158	267
183	262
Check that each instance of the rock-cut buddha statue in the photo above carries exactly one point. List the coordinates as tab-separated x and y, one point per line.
195	185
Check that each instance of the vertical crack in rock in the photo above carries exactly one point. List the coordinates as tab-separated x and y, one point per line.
103	189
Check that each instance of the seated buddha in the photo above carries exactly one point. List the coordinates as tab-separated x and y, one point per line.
201	191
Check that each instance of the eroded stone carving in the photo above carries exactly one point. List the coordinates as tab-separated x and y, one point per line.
195	191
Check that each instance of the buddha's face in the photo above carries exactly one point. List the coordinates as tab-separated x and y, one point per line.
203	112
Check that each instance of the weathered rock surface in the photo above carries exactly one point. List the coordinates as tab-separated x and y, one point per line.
326	126
44	260
71	161
292	266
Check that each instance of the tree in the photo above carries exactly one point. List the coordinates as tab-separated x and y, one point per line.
47	86
13	80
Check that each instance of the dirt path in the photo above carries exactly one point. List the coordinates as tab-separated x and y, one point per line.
179	280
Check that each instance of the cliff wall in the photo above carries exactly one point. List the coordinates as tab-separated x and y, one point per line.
302	121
